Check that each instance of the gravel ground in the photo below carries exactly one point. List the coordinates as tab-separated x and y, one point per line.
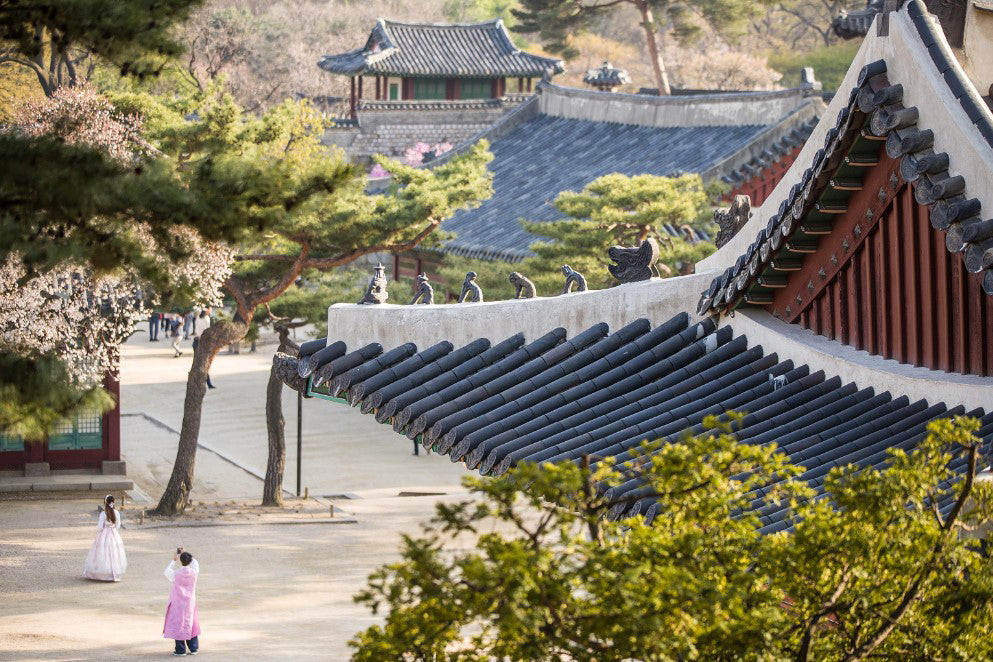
268	590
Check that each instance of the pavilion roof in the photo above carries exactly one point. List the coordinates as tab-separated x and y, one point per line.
472	50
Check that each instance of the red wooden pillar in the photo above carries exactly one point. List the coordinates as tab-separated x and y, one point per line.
396	266
377	87
529	84
360	87
450	89
112	419
36	450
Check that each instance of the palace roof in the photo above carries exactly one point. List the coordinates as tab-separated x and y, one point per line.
897	174
602	394
564	138
475	50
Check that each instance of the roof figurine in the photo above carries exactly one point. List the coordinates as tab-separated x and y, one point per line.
633	264
376	292
524	288
466	50
606	77
572	277
470	289
424	291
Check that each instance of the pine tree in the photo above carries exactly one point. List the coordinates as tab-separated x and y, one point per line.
332	224
610	211
556	21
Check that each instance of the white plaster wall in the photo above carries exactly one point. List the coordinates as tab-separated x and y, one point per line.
977	47
392	325
679	111
791	341
909	63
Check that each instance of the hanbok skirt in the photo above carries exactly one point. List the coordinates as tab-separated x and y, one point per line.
106	561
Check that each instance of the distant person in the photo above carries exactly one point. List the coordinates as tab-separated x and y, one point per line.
189	324
153	326
196	342
174	325
106	561
182	618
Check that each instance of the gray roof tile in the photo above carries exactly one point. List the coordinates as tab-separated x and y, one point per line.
557	399
456	50
546	155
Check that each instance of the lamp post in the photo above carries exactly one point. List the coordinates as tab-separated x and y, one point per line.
299	436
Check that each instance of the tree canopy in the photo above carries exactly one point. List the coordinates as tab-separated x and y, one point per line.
878	566
611	210
558	21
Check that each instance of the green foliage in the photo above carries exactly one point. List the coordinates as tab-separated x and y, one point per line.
611	210
531	569
469	11
52	38
830	63
307	302
37	393
17	85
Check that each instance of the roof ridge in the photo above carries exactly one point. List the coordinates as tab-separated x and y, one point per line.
482	24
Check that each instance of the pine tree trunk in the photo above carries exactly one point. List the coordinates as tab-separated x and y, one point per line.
176	497
648	24
272	490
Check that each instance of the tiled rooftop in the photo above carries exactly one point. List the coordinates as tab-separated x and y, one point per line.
601	394
546	155
460	51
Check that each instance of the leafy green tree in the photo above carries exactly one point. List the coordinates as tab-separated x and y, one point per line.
337	225
611	210
870	569
54	39
557	20
73	205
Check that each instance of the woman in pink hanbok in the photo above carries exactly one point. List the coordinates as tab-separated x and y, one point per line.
106	561
182	619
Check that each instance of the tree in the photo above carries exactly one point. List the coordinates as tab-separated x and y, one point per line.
70	312
869	569
611	210
557	20
324	232
243	48
54	39
303	305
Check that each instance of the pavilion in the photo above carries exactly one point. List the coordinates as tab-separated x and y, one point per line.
438	62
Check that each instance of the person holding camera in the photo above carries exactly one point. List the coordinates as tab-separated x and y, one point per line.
182	619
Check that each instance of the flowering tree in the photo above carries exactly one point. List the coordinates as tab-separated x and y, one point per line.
70	312
417	154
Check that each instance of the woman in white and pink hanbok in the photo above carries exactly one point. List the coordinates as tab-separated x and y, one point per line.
106	561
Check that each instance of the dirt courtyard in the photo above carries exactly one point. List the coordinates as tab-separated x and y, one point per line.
267	590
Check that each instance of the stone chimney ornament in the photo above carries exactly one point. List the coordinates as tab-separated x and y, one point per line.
572	277
424	291
469	287
525	288
376	292
633	264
